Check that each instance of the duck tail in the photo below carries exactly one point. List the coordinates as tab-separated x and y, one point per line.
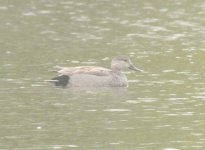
60	81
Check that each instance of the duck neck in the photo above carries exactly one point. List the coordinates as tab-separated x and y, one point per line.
117	70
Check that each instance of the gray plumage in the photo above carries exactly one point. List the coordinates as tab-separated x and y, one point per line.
93	76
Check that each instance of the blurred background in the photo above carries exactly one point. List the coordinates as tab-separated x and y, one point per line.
162	109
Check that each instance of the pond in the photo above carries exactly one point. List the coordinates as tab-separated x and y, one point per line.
162	109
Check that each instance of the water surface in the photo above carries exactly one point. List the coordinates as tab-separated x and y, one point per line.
163	107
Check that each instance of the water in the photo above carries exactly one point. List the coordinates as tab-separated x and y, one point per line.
163	107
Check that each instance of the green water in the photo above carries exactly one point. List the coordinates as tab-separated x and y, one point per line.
162	109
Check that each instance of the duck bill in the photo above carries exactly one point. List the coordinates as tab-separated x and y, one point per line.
132	67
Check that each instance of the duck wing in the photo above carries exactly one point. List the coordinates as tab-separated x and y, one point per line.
90	70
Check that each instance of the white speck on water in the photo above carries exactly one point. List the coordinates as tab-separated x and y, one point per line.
45	12
171	114
36	85
10	80
63	146
114	143
3	8
59	104
57	147
188	113
170	149
132	101
116	110
166	71
92	110
88	62
75	62
39	127
29	14
47	32
8	52
72	146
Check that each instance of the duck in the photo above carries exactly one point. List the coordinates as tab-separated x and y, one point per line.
95	76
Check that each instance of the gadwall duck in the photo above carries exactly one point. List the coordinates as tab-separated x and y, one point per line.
93	76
